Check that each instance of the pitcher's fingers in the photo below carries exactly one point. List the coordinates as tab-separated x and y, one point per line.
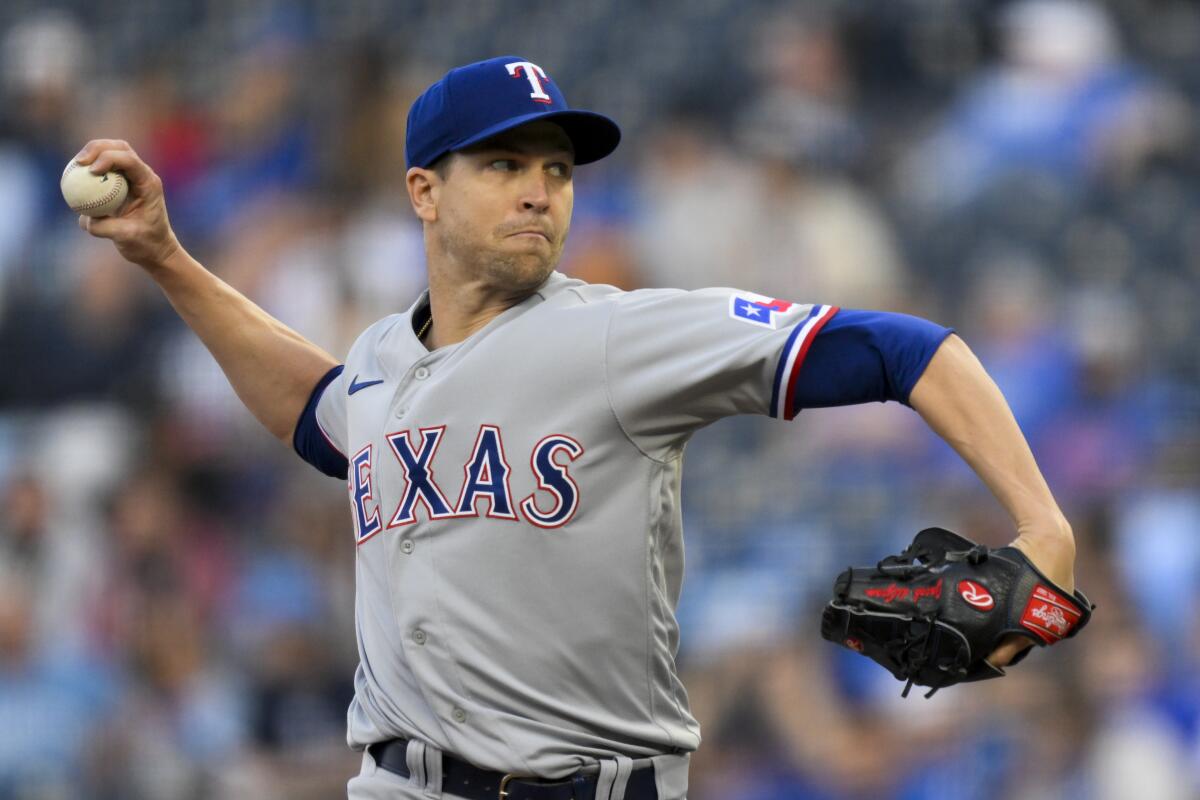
140	176
1007	650
107	227
97	146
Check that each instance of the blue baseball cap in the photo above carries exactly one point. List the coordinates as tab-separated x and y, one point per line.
478	101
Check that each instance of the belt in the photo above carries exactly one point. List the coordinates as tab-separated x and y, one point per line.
467	780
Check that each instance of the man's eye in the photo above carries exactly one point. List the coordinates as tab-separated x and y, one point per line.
560	170
503	164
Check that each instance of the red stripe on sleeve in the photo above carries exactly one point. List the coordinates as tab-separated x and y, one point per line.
789	412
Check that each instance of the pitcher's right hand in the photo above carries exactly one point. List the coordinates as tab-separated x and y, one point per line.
141	231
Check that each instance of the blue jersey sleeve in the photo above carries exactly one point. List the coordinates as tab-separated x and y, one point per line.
311	442
865	356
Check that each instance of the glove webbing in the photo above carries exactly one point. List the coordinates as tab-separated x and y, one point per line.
914	652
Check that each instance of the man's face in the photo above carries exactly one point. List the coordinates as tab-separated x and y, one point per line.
504	206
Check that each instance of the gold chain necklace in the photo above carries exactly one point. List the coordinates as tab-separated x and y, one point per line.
425	328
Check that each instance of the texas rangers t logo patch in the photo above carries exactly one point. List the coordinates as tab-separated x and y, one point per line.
535	75
756	309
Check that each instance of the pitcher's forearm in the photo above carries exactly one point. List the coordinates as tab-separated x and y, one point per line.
272	368
962	404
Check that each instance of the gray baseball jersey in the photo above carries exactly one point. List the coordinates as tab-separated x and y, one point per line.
516	504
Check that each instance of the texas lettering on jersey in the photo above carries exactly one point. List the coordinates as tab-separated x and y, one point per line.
485	475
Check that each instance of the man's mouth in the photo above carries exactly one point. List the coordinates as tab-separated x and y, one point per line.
531	234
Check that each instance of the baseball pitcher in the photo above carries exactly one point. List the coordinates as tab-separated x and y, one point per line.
511	446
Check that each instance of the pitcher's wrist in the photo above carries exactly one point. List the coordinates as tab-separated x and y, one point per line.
171	257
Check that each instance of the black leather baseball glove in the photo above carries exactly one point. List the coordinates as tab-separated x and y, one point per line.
933	613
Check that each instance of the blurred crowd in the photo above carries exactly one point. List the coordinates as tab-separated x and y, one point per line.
176	588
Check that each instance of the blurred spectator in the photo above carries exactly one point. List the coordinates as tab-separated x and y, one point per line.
696	211
158	551
45	58
1133	751
1062	103
263	143
90	342
804	112
1157	546
1018	336
184	719
54	705
57	558
766	223
168	127
783	220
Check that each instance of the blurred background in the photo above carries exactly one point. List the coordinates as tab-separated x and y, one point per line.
176	588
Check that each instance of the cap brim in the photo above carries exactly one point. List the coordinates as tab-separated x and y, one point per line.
592	135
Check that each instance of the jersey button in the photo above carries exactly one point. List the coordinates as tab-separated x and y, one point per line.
400	412
406	546
419	636
460	715
421	373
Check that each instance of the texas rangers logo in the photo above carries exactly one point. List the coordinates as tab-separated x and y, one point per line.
486	482
756	309
535	75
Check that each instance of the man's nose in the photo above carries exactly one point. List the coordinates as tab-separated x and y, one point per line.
535	195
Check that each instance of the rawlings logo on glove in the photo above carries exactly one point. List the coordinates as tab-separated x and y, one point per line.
976	595
898	614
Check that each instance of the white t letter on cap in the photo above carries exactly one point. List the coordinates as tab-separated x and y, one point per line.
530	71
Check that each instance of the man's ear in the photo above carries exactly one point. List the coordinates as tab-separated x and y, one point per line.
423	188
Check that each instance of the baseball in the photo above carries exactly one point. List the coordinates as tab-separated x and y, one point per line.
93	195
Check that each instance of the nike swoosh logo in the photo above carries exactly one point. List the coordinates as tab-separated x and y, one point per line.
355	385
